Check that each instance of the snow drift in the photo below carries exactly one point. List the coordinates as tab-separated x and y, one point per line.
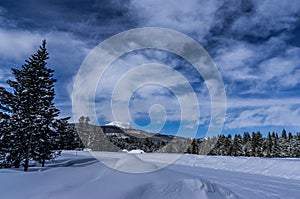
185	188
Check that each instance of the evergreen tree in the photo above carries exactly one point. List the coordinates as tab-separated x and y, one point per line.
32	111
284	144
228	145
257	144
246	144
67	136
217	147
275	151
268	146
221	145
194	145
283	134
237	146
296	147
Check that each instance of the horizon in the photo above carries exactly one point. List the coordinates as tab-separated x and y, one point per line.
254	44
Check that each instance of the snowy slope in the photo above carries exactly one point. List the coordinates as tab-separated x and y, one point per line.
78	175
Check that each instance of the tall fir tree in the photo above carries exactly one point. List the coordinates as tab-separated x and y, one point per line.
32	111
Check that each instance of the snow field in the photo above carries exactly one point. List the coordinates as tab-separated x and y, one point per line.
76	174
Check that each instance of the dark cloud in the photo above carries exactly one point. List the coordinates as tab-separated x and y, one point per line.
89	20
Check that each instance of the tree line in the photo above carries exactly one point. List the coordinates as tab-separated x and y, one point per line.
273	145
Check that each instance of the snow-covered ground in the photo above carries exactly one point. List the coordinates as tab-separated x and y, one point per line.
78	175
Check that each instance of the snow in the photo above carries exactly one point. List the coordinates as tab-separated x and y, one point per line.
87	149
123	125
77	174
277	167
131	163
137	151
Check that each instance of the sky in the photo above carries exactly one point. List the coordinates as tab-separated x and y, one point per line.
255	45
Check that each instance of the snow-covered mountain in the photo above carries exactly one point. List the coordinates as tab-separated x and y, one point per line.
123	125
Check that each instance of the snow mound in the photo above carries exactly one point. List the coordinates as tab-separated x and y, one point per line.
131	163
185	188
123	125
136	151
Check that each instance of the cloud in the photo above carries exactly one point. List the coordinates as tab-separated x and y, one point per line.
256	112
283	69
265	18
15	45
266	116
191	17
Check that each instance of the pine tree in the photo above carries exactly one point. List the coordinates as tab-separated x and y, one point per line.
221	145
246	144
5	136
275	151
283	134
66	139
32	118
228	145
194	145
296	148
216	150
267	146
237	146
257	144
284	144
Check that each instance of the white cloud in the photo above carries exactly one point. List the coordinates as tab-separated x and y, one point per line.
234	103
235	61
265	116
15	44
262	112
192	16
284	69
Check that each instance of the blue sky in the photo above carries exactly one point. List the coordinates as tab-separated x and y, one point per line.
255	45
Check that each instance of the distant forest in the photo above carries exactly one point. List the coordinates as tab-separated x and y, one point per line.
254	144
285	145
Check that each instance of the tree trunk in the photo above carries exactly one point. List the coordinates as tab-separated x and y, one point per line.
17	163
26	163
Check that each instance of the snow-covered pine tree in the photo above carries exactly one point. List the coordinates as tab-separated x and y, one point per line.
32	118
5	136
217	147
228	144
237	146
267	146
296	148
67	136
257	144
246	144
222	150
14	123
